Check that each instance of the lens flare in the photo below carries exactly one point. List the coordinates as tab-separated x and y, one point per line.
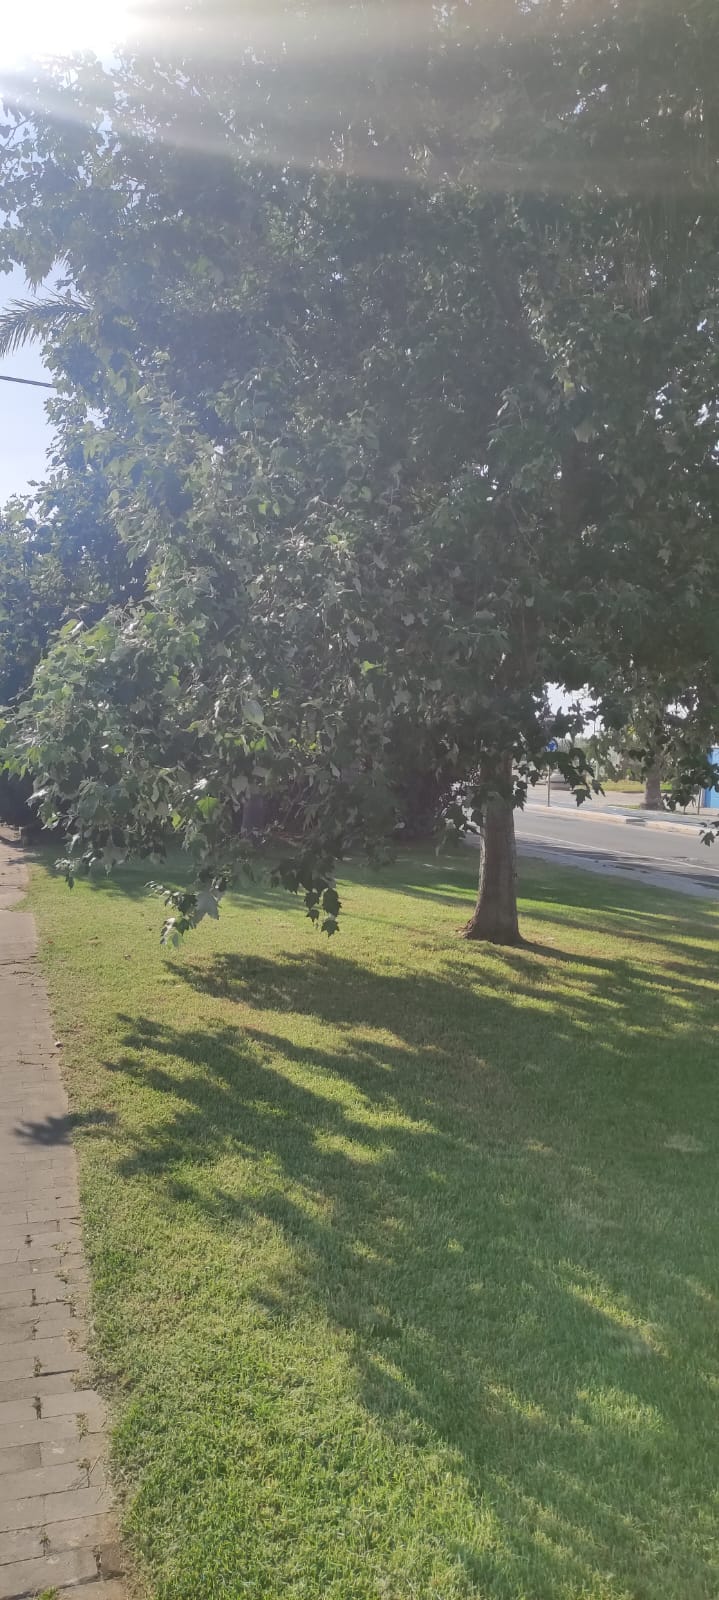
58	28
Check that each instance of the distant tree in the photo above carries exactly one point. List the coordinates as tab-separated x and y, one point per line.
60	561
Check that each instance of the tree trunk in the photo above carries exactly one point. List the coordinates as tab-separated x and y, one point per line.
495	914
653	789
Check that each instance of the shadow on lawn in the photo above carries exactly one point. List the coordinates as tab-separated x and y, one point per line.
58	1130
478	1183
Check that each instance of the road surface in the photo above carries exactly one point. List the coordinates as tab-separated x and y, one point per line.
670	858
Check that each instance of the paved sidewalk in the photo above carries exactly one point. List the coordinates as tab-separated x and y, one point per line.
57	1530
603	808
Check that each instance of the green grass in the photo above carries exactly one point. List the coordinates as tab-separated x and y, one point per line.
405	1250
629	786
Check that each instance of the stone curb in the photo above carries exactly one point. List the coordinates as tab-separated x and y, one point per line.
658	823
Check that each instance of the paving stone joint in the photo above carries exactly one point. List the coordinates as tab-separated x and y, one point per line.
58	1530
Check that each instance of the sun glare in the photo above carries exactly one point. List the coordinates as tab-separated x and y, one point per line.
45	28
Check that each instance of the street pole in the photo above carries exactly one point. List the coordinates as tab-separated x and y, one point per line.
32	383
550	749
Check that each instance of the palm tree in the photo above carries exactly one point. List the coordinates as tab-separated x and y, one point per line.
25	320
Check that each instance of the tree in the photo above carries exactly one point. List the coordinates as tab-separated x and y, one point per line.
59	559
399	443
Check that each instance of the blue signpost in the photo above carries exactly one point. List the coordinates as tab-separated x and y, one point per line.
710	797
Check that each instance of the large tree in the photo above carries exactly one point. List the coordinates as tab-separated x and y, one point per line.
401	367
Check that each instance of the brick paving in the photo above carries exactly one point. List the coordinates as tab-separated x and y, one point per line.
57	1529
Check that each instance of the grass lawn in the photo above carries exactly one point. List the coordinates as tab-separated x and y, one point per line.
629	786
405	1250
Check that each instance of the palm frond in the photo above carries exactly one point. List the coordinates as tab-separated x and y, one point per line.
25	320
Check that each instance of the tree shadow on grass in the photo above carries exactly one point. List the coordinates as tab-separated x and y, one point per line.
473	1173
58	1130
130	882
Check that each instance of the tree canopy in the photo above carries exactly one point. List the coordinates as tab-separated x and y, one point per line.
394	350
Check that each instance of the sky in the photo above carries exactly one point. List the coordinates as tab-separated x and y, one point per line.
24	429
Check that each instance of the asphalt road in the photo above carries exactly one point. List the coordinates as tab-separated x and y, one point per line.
670	858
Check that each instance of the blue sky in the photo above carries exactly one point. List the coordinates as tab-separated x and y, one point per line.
24	430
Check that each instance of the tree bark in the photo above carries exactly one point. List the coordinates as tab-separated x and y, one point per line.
653	789
495	915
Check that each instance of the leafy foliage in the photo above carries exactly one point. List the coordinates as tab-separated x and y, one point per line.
397	440
25	320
